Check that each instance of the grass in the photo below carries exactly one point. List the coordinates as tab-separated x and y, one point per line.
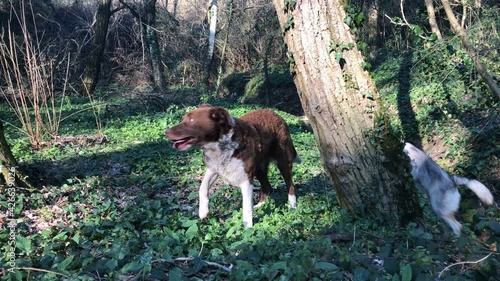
127	208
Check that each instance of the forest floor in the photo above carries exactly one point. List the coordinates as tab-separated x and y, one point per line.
121	204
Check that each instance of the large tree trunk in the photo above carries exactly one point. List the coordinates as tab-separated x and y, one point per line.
363	161
457	28
93	68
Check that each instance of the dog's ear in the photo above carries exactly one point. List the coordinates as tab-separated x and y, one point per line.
221	117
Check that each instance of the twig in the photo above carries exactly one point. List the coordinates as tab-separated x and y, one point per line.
464	15
406	23
41	270
214	264
201	250
354	238
403	12
84	109
14	126
463	262
482	129
132	10
117	9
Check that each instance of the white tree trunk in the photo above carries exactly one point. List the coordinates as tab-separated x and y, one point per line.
213	26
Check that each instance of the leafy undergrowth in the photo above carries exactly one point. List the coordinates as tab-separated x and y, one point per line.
126	209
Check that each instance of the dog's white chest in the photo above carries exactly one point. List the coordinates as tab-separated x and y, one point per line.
219	158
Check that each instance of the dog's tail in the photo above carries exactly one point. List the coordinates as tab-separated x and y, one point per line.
481	191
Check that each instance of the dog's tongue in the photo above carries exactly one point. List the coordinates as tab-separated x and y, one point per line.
178	144
183	143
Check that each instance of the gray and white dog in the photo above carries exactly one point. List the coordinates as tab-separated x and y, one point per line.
441	188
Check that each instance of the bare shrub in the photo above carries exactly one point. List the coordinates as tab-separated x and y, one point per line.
126	55
254	36
29	76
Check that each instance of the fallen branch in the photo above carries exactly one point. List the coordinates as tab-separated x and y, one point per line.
41	270
463	262
214	264
353	237
81	139
209	263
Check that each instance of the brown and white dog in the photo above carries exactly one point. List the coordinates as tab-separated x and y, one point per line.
238	149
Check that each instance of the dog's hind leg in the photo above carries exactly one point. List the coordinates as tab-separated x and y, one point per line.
285	166
208	180
453	223
264	184
285	155
445	205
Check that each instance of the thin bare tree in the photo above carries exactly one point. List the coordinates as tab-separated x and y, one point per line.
429	4
93	68
212	15
457	28
147	21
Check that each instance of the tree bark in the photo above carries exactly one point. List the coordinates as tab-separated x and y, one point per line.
364	162
91	76
148	23
153	45
429	4
223	51
212	14
372	34
457	28
9	166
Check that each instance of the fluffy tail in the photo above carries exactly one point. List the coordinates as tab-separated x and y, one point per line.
481	191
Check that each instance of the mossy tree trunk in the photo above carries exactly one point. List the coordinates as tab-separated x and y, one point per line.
360	155
9	165
93	68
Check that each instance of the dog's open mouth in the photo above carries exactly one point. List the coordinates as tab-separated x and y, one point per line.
185	143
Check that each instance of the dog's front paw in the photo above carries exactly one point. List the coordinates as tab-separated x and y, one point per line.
203	212
247	224
258	205
292	201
